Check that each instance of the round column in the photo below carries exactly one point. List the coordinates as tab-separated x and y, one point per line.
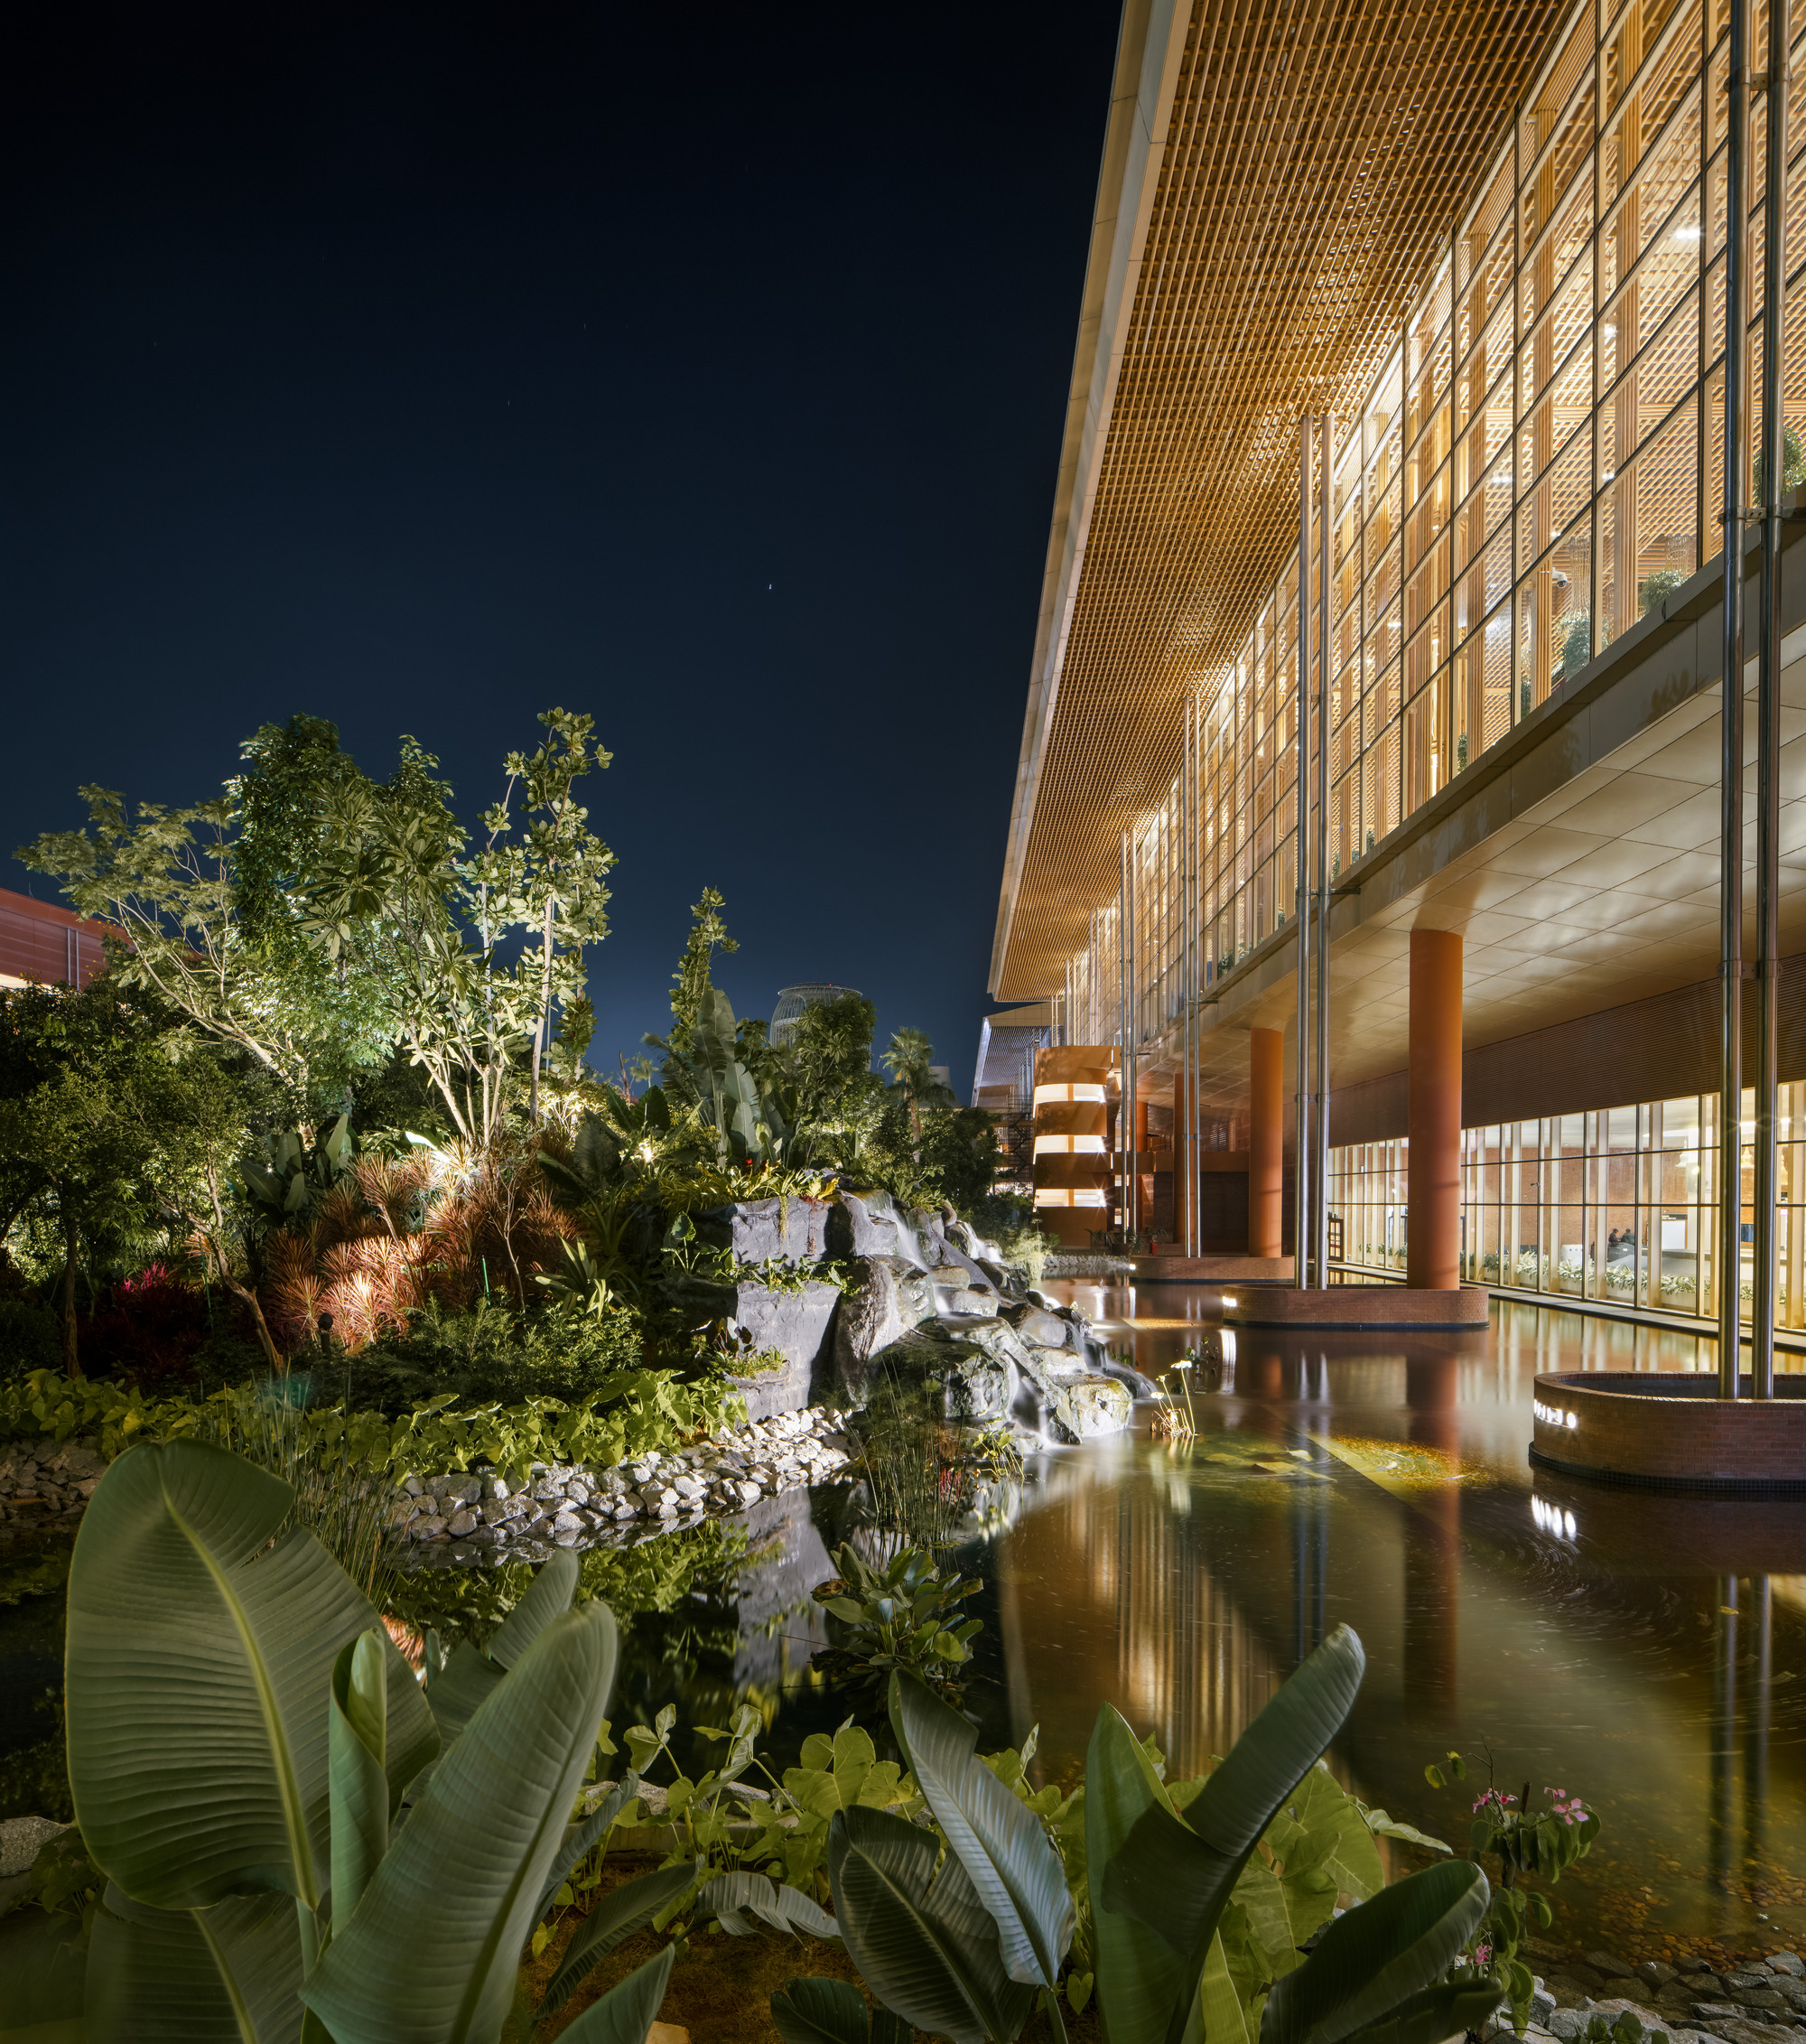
1433	1164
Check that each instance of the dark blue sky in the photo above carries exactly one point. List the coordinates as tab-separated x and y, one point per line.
420	368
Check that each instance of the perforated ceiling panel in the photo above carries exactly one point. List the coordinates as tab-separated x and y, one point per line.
1315	159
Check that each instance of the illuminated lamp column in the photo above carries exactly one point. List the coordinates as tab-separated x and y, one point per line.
1266	1141
1433	1162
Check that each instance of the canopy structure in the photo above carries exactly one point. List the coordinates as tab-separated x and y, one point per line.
1277	180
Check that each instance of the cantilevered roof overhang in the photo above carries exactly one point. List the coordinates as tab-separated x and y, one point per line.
1277	181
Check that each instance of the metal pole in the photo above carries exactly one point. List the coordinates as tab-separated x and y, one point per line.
1302	791
1731	724
1123	1110
1768	716
1196	1182
1321	1179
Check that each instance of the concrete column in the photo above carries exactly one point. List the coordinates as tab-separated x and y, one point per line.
1433	1167
1266	1141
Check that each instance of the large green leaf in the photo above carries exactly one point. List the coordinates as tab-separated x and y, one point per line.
197	1669
580	1838
621	1912
472	1674
628	2009
1176	1876
1449	2010
832	2011
357	1745
1375	1958
1140	1976
227	1975
923	1942
999	1839
429	1955
549	1593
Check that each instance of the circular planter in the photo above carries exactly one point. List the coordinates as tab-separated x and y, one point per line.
1669	1431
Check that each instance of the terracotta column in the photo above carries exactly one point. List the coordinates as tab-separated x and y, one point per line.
1266	1141
1433	1166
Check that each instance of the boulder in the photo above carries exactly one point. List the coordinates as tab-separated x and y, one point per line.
795	1323
969	1384
1045	1329
794	1228
867	1224
956	1292
892	1296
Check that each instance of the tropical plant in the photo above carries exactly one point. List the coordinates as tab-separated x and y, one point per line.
1543	1841
896	1619
964	1947
912	1074
293	1172
295	1839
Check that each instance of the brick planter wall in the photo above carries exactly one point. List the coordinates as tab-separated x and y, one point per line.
1669	1431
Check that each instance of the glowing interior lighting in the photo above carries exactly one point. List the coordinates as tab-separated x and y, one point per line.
1687	234
1227	1301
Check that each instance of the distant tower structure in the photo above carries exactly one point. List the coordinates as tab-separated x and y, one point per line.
792	1000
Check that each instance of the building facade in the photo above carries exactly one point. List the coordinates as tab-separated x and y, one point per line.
1400	410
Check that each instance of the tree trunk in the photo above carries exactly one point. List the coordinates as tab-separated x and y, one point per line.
278	1362
71	1362
542	1031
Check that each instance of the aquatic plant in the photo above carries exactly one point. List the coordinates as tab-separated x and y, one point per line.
894	1620
1544	1840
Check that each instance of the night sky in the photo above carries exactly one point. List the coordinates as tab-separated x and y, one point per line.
421	367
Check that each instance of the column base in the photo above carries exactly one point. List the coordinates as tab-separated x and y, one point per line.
1362	1306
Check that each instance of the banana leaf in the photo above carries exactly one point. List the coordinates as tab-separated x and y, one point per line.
628	2009
1000	1841
171	1596
43	1961
1448	2010
1174	1875
227	1975
357	1735
1140	1976
581	1837
923	1941
627	1908
1375	1958
429	1954
832	2011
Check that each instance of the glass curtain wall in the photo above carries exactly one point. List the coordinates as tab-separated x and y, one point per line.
1531	472
1618	1204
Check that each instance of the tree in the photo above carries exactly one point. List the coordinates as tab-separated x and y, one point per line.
691	981
908	1062
114	1124
315	919
840	1099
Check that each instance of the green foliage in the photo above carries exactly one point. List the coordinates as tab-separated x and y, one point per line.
691	981
1525	1839
896	1619
30	1339
292	1173
222	1814
1012	1225
627	1414
113	1127
840	1099
495	1353
314	919
1182	1909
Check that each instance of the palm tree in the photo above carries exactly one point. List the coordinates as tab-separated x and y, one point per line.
912	1074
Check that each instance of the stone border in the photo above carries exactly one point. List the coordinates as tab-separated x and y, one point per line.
1358	1306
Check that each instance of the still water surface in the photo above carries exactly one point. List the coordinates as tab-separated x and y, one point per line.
1644	1652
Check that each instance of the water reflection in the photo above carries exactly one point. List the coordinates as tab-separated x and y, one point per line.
1639	1650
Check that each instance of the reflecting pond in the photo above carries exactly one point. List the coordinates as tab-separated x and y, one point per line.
1645	1652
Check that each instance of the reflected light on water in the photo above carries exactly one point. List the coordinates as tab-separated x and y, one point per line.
1639	1648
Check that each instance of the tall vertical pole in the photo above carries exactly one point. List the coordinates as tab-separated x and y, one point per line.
1182	1135
1731	722
1768	716
1301	1147
1194	1190
1324	718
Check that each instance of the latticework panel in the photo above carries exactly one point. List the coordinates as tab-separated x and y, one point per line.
1319	154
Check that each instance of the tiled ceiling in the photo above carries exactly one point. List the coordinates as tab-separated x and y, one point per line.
1316	156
